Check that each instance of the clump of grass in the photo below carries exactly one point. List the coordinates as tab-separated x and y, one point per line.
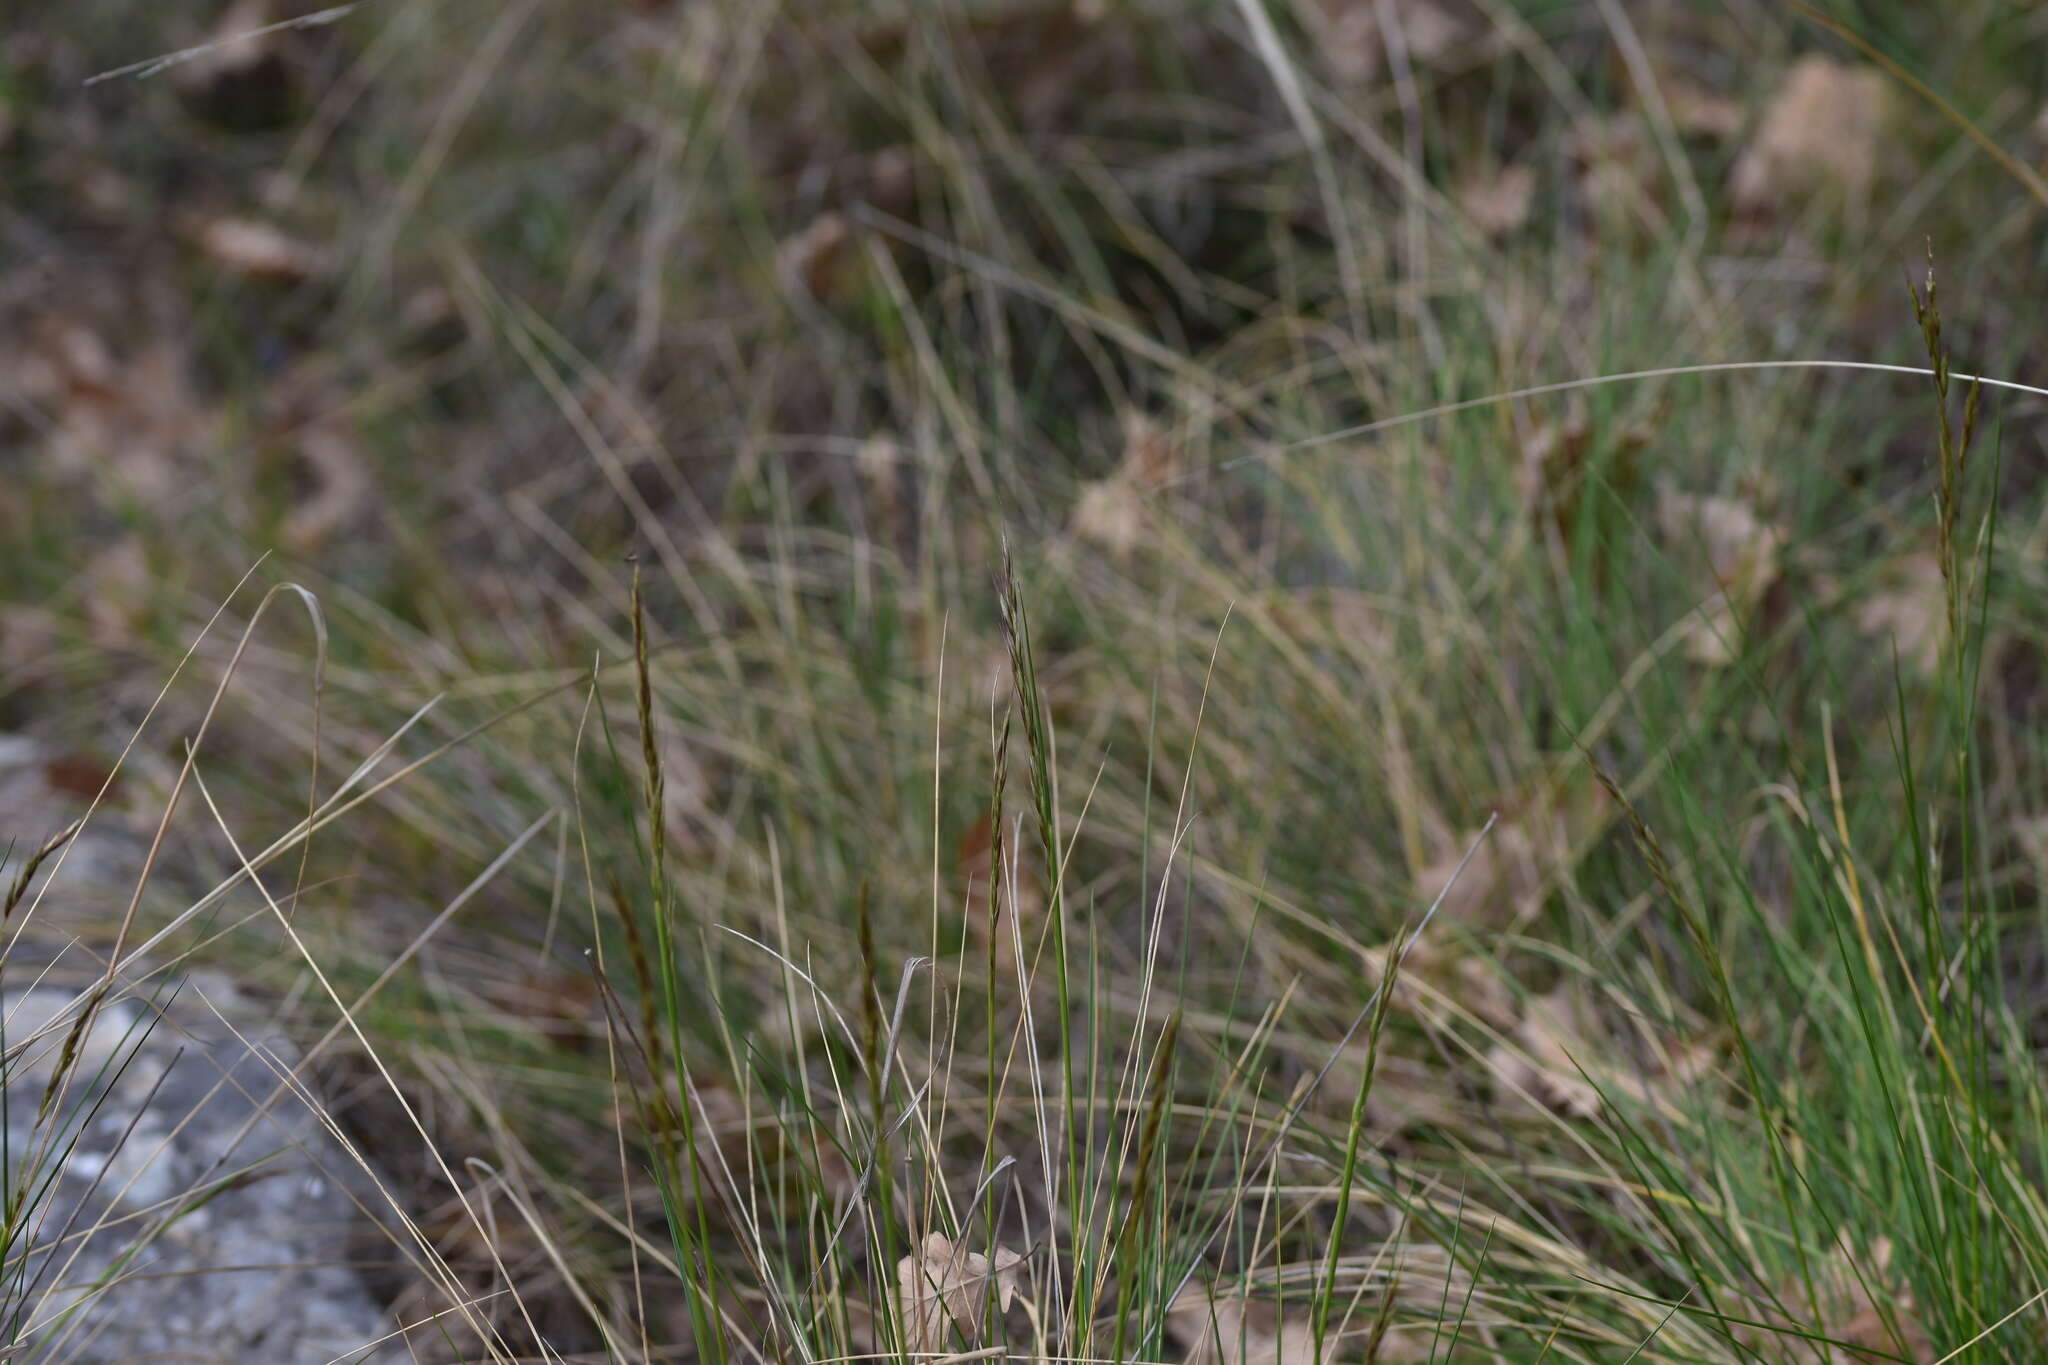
819	1054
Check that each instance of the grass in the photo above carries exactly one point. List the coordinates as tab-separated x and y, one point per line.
1085	761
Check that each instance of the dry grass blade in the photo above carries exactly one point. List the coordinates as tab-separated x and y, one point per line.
157	65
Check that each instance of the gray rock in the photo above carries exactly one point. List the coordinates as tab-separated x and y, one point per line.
171	1211
186	1221
100	861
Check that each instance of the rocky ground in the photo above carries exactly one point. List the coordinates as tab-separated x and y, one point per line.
175	1191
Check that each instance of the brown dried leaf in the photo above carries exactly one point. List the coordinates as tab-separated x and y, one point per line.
1110	515
2030	833
1911	611
1858	1304
622	417
1497	882
815	259
1406	1094
1696	109
971	857
79	775
1356	47
1151	459
688	813
239	78
1554	473
892	179
1434	973
117	585
1544	1059
1821	132
28	638
1552	453
80	357
1022	897
1514	867
1560	1058
945	1288
232	46
1618	174
566	1007
1229	1329
133	418
343	490
258	250
1498	204
1740	553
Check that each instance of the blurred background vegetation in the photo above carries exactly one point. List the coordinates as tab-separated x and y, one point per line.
444	310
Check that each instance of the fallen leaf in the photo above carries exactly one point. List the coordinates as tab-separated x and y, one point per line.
1048	87
1406	1094
1741	553
258	250
1561	1059
1554	471
2030	833
116	592
971	857
721	1116
342	491
431	318
1500	881
1618	175
1498	203
565	1007
1434	977
1021	897
946	1288
1821	133
79	356
1858	1305
1696	109
1911	611
28	639
1513	868
621	417
1111	512
1424	1276
814	260
1324	615
694	42
79	775
1741	548
1542	1062
133	419
686	797
892	178
234	44
1230	1329
1110	515
239	77
1151	459
1355	46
